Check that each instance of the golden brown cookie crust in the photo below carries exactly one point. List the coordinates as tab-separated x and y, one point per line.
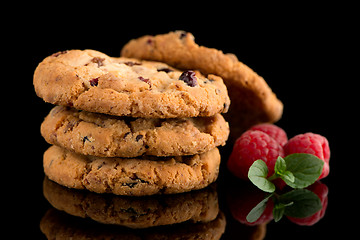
252	99
131	176
108	136
92	81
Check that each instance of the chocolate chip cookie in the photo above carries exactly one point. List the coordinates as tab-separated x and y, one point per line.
110	136
132	176
92	81
252	99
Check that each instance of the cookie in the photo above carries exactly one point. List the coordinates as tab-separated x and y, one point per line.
131	176
140	212
109	136
252	99
92	81
59	225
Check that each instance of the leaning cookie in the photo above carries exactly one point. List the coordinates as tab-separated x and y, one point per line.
92	81
108	136
252	99
131	176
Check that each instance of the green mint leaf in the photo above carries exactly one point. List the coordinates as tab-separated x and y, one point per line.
282	172
288	177
306	169
300	203
280	166
258	210
257	174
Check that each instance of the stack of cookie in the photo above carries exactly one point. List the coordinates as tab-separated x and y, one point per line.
128	126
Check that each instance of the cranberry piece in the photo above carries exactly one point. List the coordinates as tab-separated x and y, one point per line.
145	80
150	41
130	64
98	60
59	53
182	34
94	82
189	78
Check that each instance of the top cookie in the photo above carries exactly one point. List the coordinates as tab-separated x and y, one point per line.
252	99
92	81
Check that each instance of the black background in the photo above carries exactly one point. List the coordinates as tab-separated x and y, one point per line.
305	53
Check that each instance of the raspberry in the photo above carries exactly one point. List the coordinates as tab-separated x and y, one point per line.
273	131
251	146
313	144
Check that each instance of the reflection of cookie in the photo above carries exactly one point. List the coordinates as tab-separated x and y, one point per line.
92	81
107	136
252	99
132	176
134	212
59	225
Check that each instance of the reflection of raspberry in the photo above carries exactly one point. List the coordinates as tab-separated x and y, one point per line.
241	200
313	144
321	190
273	131
251	146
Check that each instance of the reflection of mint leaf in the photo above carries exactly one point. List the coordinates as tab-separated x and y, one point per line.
306	169
258	210
279	209
278	213
257	174
300	203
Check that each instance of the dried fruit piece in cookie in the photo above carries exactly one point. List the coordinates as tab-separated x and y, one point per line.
92	81
189	78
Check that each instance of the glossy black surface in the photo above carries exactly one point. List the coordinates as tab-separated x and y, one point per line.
300	55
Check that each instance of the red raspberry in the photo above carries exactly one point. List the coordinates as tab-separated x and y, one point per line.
313	144
251	146
273	131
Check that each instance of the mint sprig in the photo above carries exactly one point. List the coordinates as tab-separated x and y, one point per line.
298	170
299	203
